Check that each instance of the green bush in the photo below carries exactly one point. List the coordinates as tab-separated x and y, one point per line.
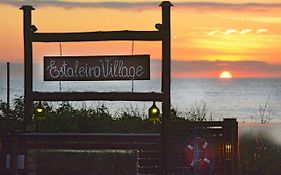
259	155
65	118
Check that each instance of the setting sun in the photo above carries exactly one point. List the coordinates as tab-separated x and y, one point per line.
225	74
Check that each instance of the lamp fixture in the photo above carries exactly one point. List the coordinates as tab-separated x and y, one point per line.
40	112
153	113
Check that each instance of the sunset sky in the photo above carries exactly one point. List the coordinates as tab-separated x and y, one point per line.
243	37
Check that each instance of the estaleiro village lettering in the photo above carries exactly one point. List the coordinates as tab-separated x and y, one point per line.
98	68
107	68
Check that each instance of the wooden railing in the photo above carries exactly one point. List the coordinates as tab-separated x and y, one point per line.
146	145
218	134
222	135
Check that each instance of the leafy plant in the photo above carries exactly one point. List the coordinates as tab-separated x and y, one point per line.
67	118
197	112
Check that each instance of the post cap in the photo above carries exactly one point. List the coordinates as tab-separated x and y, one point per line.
166	3
27	7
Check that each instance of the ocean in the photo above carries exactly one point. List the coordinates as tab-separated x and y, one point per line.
240	98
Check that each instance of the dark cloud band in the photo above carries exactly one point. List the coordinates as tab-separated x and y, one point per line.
198	66
129	5
217	65
183	67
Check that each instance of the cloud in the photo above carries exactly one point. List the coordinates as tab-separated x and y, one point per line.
144	4
16	70
213	33
216	65
230	31
230	7
259	31
78	4
191	68
186	68
245	31
273	20
233	31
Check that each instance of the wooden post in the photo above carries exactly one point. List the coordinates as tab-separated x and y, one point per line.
230	148
2	151
8	86
166	86
13	159
27	65
31	162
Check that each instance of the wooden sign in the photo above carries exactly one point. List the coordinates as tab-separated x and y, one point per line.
96	68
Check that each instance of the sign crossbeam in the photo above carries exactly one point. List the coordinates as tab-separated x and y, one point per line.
107	96
98	36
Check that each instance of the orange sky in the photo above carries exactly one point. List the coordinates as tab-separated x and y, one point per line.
213	35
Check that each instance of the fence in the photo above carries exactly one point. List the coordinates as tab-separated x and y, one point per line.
17	159
221	136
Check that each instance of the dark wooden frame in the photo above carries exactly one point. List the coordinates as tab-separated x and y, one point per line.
163	34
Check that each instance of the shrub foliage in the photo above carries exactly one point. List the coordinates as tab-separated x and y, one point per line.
258	154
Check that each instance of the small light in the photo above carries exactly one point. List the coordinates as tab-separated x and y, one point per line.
154	113
228	151
154	110
228	147
39	112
